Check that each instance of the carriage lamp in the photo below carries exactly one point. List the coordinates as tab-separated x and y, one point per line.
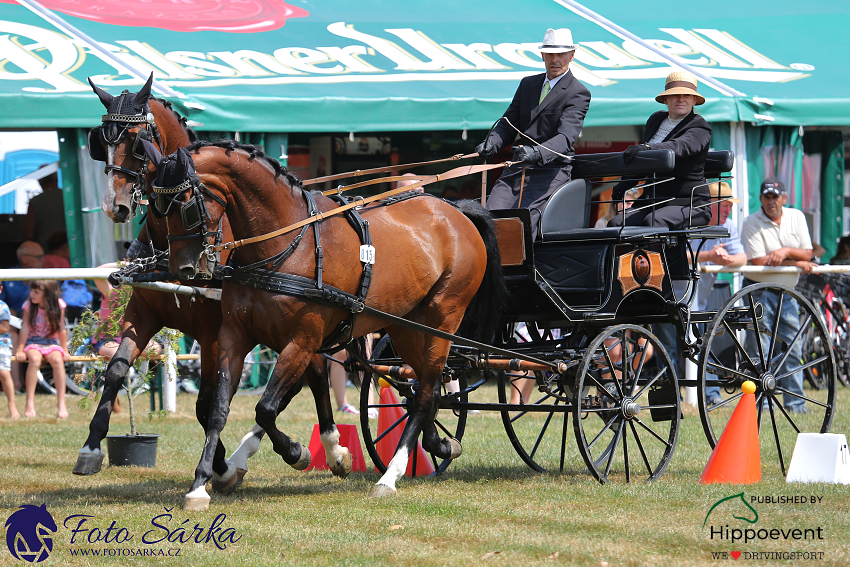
640	267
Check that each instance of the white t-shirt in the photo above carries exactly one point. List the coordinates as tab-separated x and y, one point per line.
761	236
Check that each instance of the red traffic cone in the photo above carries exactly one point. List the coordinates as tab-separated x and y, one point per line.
348	437
386	447
736	458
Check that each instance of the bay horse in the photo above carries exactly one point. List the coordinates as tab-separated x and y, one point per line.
432	259
149	311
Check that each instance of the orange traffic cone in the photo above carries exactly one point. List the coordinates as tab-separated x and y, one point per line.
736	458
386	447
348	437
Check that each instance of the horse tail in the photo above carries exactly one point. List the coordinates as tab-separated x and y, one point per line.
487	307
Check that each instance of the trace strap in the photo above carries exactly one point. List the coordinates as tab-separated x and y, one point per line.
360	202
360	172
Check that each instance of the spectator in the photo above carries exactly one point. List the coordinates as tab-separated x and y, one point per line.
778	236
45	212
15	293
688	135
58	255
6	359
413	180
720	251
43	336
618	207
842	256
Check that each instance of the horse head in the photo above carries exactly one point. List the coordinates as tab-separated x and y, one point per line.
180	197
130	118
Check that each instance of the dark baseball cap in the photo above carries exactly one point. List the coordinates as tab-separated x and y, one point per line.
772	185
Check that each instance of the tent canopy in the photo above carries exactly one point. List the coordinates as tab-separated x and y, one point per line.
390	65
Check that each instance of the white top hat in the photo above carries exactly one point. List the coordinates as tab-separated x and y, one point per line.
557	41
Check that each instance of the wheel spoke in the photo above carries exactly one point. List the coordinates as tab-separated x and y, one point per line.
443	428
718	368
390	428
799	396
650	383
653	433
776	321
794	341
776	436
638	371
788	417
563	441
804	367
599	385
738	344
613	450
626	455
604	429
726	401
758	333
611	364
542	432
640	448
759	399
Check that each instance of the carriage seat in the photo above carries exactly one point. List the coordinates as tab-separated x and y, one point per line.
567	208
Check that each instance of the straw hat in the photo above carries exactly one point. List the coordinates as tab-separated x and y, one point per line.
722	190
681	82
557	41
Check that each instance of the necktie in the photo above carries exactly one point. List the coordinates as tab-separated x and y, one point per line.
544	93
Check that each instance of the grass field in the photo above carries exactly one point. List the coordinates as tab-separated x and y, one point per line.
487	508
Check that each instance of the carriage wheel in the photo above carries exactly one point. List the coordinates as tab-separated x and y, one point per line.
627	419
450	423
730	355
539	434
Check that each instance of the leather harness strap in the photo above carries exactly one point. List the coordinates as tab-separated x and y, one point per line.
360	172
451	174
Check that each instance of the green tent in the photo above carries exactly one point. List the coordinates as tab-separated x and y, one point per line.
381	65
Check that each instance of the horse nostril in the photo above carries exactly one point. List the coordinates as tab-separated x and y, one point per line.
187	272
120	212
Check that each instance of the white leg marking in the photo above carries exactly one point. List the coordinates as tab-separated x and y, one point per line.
231	470
396	468
249	445
337	456
95	452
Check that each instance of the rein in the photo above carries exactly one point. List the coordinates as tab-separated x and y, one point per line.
360	202
385	169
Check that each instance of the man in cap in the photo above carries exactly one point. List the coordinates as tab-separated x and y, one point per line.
679	129
779	236
721	251
547	112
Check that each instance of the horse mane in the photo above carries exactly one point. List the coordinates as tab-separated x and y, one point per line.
184	122
253	152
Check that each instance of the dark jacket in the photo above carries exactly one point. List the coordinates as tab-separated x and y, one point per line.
555	123
689	140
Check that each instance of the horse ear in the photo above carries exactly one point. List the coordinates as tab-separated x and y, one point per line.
104	96
145	93
152	152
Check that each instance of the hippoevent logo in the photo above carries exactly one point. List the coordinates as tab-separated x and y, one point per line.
28	533
749	530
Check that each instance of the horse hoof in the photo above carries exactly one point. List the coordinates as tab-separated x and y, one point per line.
88	462
240	474
225	484
343	469
381	490
456	448
196	504
303	460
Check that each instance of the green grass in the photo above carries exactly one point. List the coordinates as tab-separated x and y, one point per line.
487	502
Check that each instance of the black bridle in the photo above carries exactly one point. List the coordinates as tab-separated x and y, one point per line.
112	130
193	212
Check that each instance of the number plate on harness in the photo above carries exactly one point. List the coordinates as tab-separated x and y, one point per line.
367	254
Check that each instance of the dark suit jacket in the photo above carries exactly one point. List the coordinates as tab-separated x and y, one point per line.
555	123
689	140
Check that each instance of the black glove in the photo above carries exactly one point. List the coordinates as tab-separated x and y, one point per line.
528	154
485	149
632	151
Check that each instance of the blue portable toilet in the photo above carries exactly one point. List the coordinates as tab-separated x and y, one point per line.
17	164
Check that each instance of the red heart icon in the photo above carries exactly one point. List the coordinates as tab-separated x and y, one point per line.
736	555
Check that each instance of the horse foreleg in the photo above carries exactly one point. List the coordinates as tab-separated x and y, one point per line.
197	497
90	457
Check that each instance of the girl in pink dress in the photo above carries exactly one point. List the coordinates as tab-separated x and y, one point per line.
43	335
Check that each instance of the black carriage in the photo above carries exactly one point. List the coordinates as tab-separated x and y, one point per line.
587	300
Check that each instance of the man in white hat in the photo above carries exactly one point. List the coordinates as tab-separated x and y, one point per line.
548	110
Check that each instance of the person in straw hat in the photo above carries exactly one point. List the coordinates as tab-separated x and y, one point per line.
545	118
688	135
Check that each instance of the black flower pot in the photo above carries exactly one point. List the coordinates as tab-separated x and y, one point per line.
132	450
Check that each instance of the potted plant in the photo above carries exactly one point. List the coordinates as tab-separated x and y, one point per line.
133	448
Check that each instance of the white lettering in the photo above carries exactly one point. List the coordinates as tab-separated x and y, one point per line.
516	53
611	55
727	41
695	42
440	58
306	60
474	53
63	56
348	56
403	60
156	58
244	62
195	62
674	50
